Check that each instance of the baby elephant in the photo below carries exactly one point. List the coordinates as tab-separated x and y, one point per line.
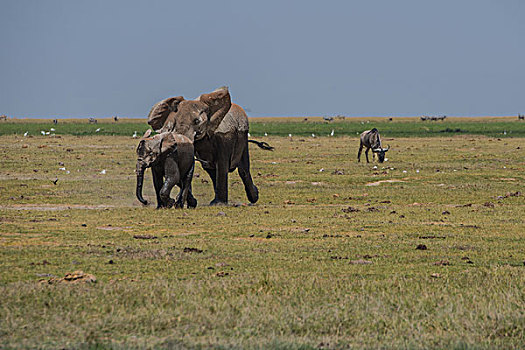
171	158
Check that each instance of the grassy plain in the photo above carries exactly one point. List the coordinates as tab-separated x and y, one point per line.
326	259
398	127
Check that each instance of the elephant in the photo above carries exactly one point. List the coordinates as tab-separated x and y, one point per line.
219	130
171	158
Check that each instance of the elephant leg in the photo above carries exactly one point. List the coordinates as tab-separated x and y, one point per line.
179	203
191	201
244	172
171	180
221	183
213	176
185	186
221	188
366	154
158	174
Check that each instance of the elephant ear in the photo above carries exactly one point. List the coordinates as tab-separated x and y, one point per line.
160	111
219	103
168	143
169	123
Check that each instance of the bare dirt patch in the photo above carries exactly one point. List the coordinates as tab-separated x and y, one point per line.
73	277
377	183
114	228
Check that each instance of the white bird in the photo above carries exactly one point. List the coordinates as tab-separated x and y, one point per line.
103	172
321	170
62	169
504	132
67	172
265	134
417	171
97	130
249	135
52	129
374	167
135	135
404	171
289	135
43	132
332	133
47	133
26	133
313	135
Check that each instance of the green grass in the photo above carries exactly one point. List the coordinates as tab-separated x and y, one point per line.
402	127
284	273
399	127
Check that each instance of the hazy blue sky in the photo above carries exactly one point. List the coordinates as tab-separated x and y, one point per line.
280	58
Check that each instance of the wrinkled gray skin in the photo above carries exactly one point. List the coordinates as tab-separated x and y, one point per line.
171	158
220	133
371	140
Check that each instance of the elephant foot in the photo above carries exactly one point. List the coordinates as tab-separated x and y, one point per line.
192	202
253	195
218	202
170	203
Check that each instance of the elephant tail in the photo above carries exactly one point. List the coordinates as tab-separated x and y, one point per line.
264	145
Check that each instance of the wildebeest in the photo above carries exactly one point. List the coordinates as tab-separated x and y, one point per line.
371	140
92	120
425	118
55	121
521	117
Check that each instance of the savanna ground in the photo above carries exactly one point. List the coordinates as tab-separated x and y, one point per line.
425	250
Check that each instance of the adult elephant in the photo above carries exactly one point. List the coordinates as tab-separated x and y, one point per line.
219	130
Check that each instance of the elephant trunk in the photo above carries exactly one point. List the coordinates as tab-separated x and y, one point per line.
140	180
